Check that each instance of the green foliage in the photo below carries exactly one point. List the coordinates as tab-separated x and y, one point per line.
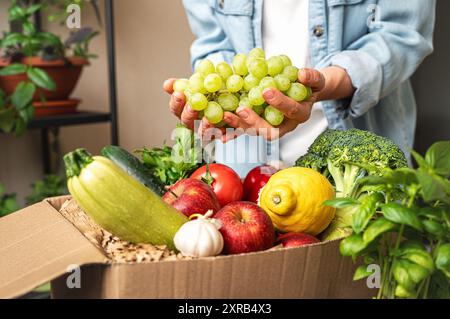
8	202
411	236
171	164
50	186
17	110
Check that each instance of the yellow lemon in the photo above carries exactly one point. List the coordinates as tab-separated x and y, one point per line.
293	198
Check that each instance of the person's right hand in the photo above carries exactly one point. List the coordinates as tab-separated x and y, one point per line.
178	106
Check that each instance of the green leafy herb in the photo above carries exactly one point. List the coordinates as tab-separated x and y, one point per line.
407	223
171	164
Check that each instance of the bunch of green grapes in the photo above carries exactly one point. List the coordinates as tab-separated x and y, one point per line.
213	90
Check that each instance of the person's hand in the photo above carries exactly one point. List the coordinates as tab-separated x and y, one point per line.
178	106
295	112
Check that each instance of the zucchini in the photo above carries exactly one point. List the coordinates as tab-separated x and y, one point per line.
118	202
134	167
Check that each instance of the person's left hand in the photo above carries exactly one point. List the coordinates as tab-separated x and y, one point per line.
295	112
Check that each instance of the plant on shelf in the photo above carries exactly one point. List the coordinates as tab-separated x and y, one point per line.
405	227
37	67
49	186
8	202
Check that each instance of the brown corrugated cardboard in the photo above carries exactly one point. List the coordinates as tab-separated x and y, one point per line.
38	244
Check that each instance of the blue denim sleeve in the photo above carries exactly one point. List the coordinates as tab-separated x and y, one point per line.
211	40
397	42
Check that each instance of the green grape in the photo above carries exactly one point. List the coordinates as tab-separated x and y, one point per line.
258	109
188	92
250	81
213	112
258	67
224	70
273	116
234	83
282	81
198	101
298	92
205	67
267	82
243	96
275	65
244	102
213	82
180	85
291	72
255	96
228	101
257	53
285	59
196	83
239	64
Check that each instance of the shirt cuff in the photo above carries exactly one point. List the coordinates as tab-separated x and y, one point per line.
366	75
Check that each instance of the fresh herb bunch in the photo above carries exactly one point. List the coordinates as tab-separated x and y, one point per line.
25	40
50	186
171	164
8	202
408	238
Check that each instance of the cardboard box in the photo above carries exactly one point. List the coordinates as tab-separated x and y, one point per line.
38	244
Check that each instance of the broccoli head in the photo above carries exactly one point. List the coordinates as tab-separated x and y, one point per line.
347	156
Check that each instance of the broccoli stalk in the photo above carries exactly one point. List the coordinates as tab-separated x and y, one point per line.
345	157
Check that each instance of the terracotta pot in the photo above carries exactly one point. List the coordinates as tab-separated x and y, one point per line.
64	74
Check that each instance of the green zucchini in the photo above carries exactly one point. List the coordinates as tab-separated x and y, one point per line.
118	202
134	167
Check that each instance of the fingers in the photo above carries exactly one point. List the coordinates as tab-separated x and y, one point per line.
177	103
290	108
168	85
188	116
312	78
209	132
252	123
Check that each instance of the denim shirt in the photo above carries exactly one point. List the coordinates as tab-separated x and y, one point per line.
380	43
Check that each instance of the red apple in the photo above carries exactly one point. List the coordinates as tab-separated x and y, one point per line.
246	227
255	180
191	196
296	239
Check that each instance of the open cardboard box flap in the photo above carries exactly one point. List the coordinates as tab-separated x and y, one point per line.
37	245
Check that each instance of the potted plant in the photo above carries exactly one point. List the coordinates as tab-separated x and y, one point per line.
38	71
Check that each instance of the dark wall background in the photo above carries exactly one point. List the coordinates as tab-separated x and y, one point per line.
432	85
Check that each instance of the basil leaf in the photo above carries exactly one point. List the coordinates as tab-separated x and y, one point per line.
401	215
340	202
23	94
378	227
361	272
438	157
418	256
12	69
433	186
434	228
443	259
365	212
352	245
41	79
419	159
401	274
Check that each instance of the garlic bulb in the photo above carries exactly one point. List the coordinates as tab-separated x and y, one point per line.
199	237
